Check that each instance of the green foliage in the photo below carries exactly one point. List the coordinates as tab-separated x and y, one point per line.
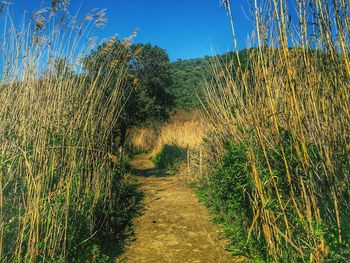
152	69
228	192
170	157
189	77
147	97
93	254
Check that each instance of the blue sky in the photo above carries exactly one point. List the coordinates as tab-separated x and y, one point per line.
185	28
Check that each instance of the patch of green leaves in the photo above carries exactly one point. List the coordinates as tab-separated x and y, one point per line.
170	157
226	193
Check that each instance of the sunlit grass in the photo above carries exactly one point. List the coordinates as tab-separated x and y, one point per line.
59	178
290	106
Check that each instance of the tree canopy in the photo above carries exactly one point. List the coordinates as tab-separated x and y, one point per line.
147	86
190	76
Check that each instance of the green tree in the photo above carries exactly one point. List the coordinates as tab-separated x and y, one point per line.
147	93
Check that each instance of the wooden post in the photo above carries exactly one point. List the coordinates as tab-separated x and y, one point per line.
201	161
188	161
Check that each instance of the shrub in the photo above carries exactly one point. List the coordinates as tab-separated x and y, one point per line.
170	157
229	192
226	193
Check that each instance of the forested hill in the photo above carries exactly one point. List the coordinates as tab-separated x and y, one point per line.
189	77
188	80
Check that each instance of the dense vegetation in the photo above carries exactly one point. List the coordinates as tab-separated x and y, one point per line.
280	137
149	75
274	165
190	77
65	190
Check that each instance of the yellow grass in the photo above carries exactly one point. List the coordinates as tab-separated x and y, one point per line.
185	135
301	94
142	139
55	159
186	130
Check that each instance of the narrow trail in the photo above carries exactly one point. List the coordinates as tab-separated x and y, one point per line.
173	227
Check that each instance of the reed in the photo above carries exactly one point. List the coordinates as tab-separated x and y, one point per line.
183	129
188	134
289	105
59	177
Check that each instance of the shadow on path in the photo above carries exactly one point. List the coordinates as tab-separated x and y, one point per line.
173	226
154	172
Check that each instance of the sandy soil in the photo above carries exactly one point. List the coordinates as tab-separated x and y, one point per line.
173	227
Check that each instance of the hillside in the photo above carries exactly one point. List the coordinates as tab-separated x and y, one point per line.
189	77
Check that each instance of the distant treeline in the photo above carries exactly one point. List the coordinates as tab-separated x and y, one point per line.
189	77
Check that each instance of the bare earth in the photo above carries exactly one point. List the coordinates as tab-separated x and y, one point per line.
174	227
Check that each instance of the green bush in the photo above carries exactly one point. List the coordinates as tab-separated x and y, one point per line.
170	157
226	193
229	192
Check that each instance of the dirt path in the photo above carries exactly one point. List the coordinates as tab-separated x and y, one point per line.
173	226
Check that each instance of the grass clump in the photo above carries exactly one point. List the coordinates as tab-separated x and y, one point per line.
170	157
226	193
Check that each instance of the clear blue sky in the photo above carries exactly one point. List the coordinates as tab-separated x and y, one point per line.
185	28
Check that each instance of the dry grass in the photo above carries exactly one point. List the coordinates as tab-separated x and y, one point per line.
142	139
185	135
55	156
291	100
186	130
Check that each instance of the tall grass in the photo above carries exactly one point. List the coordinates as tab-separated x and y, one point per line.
60	182
175	141
142	139
171	143
288	109
183	130
188	134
